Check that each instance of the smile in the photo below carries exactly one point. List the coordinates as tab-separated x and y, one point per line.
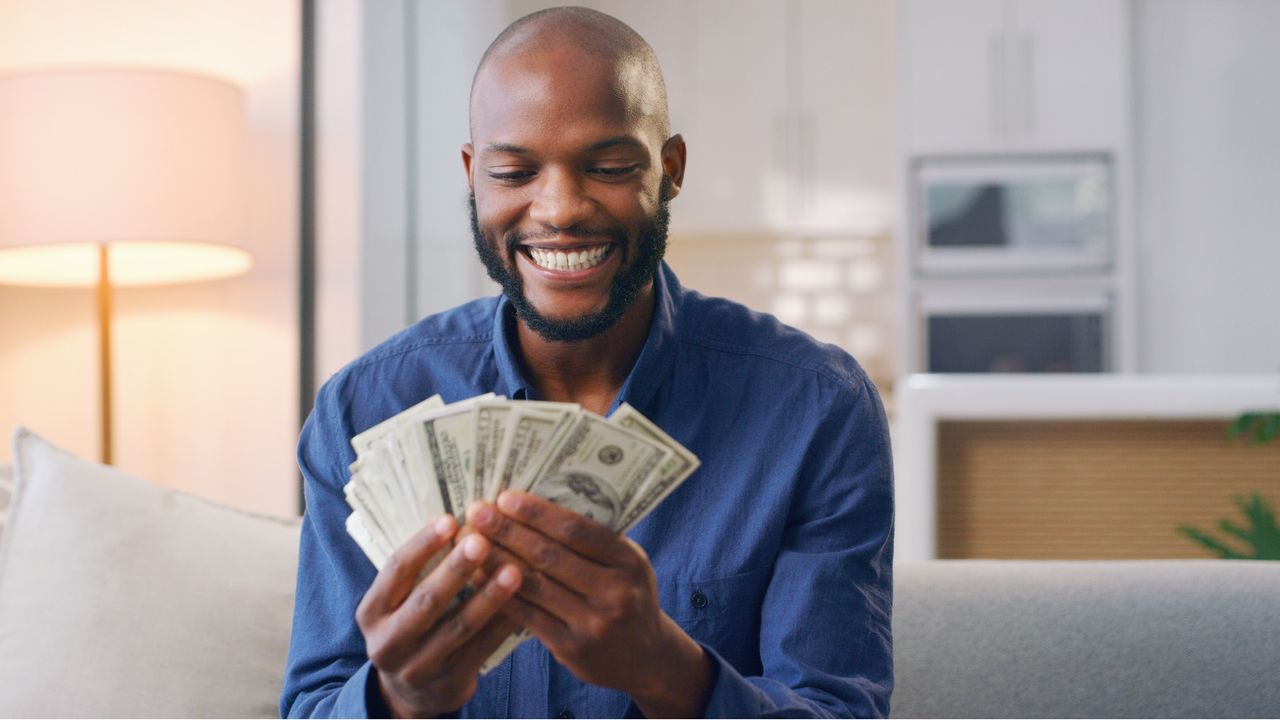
575	259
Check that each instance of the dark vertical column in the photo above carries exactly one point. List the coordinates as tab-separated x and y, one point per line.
306	222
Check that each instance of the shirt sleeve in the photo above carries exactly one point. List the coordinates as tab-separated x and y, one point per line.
825	641
327	673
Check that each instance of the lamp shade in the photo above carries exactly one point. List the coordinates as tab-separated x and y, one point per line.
149	162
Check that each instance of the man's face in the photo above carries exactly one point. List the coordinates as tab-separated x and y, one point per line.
569	192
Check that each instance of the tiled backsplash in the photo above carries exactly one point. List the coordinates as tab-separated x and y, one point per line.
837	289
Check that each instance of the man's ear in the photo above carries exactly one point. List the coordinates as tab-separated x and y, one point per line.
467	156
673	159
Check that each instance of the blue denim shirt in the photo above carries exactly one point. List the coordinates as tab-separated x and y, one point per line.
775	555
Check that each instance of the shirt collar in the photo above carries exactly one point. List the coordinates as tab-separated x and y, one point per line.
652	366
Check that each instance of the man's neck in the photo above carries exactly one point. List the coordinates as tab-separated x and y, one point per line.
589	372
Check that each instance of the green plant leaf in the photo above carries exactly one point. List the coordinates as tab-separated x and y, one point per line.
1209	542
1261	535
1258	427
1268	428
1241	425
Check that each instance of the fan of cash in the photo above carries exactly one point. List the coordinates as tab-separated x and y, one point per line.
434	459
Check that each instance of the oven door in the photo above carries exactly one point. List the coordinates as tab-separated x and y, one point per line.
1015	330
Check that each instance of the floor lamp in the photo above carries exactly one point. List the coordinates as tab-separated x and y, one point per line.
115	178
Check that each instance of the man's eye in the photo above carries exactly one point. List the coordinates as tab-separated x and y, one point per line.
614	171
511	176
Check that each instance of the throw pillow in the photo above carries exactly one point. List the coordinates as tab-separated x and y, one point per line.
123	598
6	491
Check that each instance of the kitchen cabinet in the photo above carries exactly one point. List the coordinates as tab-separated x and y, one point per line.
846	96
1000	75
787	109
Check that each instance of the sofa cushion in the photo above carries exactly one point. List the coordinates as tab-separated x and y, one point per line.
123	598
1157	638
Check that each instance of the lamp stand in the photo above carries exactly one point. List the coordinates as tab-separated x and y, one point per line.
104	348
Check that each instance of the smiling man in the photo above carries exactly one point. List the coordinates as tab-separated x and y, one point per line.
762	586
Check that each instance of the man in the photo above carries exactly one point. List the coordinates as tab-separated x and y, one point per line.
760	587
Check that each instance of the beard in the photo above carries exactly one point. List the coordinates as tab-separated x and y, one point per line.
636	273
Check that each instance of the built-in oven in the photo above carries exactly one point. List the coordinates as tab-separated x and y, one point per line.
1048	214
1016	327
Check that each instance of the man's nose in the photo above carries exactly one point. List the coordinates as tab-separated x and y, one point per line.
561	202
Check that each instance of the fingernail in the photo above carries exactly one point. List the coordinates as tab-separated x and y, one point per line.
509	502
473	547
444	525
509	577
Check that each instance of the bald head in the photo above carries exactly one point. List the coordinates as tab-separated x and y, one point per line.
583	40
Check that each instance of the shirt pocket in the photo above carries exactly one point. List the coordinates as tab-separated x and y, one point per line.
721	612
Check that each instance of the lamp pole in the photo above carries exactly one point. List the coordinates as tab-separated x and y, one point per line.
104	348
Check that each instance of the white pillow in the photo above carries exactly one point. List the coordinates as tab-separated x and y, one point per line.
6	492
123	598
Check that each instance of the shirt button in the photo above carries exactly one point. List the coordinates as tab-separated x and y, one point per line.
566	714
698	601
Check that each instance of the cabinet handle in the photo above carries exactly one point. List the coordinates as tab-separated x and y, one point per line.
1026	50
804	186
996	75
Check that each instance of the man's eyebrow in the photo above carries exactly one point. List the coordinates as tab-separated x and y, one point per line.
593	147
614	142
506	148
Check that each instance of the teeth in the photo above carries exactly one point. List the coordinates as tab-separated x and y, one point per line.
573	260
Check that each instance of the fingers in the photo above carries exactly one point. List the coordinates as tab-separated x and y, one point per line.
489	639
432	596
397	577
580	534
553	631
537	551
469	625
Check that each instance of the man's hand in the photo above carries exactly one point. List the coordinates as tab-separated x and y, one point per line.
428	656
591	596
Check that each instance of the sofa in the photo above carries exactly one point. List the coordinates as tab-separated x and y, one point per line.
123	598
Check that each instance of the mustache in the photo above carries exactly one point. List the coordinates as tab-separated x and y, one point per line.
514	239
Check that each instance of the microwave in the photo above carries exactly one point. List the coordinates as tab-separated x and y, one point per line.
1012	214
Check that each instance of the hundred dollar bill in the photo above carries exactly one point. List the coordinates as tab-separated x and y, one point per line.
491	427
673	471
507	647
371	477
364	440
532	430
386	432
447	439
597	468
377	554
437	448
358	498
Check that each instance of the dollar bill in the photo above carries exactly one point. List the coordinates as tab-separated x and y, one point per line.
674	470
491	427
363	441
364	538
446	437
597	468
531	432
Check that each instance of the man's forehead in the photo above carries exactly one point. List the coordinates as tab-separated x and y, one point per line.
551	90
